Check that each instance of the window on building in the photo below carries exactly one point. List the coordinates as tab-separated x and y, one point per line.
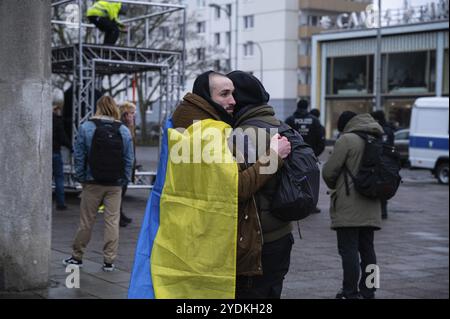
216	38
304	76
248	49
410	72
201	27
228	64
229	8
335	107
228	38
304	47
217	65
313	20
201	54
249	22
350	75
445	77
201	3
217	12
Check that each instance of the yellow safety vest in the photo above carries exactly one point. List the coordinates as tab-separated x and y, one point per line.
105	9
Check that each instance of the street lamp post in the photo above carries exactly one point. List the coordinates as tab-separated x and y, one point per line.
261	58
378	84
228	13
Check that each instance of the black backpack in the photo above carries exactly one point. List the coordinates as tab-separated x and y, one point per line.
298	180
379	173
106	154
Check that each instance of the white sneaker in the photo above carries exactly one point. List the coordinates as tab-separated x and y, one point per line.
108	267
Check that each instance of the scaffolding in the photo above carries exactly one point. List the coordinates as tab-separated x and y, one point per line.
87	62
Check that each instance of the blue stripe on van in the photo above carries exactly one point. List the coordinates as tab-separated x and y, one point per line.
438	143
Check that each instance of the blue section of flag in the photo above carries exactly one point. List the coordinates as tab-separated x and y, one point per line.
141	286
431	143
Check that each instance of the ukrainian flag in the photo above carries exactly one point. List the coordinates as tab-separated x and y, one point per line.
187	245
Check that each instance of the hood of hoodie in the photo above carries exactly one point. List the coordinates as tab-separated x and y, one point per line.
202	89
364	123
248	90
264	113
301	113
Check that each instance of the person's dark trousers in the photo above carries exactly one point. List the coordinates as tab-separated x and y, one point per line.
124	220
355	244
58	175
384	214
276	257
109	27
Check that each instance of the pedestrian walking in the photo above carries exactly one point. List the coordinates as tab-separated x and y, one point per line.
103	156
354	217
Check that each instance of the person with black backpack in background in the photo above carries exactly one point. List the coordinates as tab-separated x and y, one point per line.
253	114
388	138
103	156
354	216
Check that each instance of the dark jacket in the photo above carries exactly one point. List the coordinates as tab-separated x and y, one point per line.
310	128
194	107
353	210
59	135
273	228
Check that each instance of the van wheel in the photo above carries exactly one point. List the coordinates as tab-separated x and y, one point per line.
442	173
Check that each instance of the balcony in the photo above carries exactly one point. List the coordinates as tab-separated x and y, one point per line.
333	6
308	31
304	90
304	61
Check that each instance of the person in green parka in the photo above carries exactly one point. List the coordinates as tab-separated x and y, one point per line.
353	216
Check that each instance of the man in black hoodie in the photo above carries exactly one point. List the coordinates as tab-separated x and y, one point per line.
251	104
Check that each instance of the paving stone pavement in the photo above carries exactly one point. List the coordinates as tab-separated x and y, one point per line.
412	248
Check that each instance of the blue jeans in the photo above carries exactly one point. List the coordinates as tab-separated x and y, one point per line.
58	174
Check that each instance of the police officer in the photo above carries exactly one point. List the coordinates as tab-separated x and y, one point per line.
309	127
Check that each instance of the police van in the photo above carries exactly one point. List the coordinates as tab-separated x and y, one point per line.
428	143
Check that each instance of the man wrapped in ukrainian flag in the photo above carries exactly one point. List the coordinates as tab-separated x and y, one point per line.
201	227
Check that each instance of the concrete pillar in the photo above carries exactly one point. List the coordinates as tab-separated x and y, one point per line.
25	144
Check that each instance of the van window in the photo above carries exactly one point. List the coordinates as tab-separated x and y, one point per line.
432	121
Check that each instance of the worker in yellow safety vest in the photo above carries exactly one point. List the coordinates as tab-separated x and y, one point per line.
104	15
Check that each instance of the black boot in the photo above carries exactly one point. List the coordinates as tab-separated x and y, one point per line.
125	218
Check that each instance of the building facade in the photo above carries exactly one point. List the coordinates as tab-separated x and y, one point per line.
414	64
270	39
314	15
262	41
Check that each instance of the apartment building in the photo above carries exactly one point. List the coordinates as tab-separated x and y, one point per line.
263	40
271	39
